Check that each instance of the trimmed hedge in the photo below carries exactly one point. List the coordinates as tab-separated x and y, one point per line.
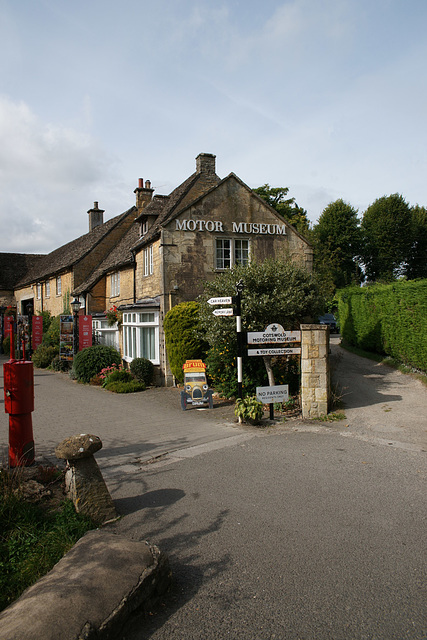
387	319
181	325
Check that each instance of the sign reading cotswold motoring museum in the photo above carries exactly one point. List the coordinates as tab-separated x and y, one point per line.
217	226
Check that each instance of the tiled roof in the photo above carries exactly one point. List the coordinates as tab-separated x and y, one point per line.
120	256
67	255
14	266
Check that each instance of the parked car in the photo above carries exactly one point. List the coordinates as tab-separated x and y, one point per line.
330	320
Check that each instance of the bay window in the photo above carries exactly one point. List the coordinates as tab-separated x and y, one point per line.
141	335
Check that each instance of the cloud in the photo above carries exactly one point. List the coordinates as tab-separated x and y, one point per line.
46	171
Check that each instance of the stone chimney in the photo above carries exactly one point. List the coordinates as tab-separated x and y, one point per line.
96	217
205	163
143	194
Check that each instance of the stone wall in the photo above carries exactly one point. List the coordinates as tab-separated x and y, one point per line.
315	374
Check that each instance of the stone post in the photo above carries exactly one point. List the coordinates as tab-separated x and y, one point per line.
84	483
315	380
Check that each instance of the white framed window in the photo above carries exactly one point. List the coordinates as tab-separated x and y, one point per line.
148	261
58	286
141	335
115	284
229	252
39	291
106	334
47	288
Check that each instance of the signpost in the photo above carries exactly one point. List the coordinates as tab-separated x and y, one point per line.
237	312
273	334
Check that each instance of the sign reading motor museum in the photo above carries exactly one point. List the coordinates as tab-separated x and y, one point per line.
217	226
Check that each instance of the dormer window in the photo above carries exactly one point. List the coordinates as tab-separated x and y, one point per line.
144	227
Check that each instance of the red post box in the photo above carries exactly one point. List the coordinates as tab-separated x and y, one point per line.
19	403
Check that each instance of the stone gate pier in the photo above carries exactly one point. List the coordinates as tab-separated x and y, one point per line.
315	373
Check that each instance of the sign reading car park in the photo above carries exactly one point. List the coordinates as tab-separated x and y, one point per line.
277	393
224	300
226	311
274	351
275	334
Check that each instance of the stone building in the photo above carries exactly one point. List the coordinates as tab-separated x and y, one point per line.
158	254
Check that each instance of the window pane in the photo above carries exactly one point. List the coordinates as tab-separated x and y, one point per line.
241	252
146	317
223	254
147	341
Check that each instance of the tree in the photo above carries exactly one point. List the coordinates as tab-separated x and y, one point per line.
337	245
417	258
275	291
387	237
286	207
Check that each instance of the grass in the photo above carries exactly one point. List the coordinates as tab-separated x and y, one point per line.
387	360
34	535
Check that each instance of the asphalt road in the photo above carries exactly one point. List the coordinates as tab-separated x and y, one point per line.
304	531
299	531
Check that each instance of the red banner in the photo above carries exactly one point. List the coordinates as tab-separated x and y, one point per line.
8	321
37	322
85	332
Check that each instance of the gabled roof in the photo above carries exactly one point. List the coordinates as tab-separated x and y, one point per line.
69	254
14	266
173	204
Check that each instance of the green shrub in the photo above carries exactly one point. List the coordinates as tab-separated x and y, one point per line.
44	355
182	339
249	410
90	361
51	337
121	375
120	386
47	319
60	365
6	346
143	370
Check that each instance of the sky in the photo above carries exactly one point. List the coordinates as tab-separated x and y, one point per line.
327	98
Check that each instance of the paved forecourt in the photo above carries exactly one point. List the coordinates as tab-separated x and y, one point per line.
133	427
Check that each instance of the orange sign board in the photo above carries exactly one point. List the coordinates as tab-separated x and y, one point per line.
194	365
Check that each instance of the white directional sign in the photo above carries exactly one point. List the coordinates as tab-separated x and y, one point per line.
275	351
275	337
277	393
225	300
227	311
